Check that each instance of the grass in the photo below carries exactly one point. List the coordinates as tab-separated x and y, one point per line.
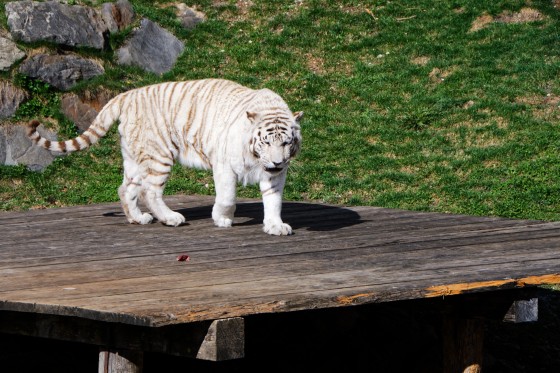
405	107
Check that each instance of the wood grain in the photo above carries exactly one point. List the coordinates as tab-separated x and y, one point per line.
88	262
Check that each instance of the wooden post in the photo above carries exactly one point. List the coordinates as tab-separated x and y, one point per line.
523	311
462	345
225	340
120	361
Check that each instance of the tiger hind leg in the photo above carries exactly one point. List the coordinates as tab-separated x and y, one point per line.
129	192
153	197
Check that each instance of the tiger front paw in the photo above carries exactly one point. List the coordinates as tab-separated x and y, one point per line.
278	229
144	219
223	222
174	220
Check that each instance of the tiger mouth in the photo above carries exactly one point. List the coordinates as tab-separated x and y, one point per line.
273	169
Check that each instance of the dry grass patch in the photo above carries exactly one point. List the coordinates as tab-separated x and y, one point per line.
523	16
420	61
409	169
315	63
543	107
481	22
243	8
438	75
492	163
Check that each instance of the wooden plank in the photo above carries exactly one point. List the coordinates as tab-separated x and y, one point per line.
155	308
219	259
166	278
152	245
181	340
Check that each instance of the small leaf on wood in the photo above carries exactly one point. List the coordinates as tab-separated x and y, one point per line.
183	258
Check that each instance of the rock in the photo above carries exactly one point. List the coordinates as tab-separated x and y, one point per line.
71	25
9	53
152	48
117	15
10	99
189	17
3	146
83	109
16	148
61	71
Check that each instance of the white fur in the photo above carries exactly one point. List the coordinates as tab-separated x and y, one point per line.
241	134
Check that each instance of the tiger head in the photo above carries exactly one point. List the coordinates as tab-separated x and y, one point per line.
276	138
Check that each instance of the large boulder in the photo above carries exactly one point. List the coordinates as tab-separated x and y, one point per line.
16	148
117	15
10	99
71	25
83	109
61	71
152	48
9	53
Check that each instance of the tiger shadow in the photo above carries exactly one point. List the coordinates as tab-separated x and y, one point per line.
312	216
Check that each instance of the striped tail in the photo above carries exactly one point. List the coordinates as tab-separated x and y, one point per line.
97	130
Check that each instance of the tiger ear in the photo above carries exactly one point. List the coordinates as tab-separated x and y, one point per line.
297	116
252	116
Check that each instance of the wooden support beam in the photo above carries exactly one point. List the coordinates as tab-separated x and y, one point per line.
462	345
120	361
225	340
218	340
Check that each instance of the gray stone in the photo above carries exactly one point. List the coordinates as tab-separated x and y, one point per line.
18	149
152	48
3	146
117	15
9	53
189	17
71	25
61	71
10	99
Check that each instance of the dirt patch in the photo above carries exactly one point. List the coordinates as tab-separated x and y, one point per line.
421	60
525	15
241	12
550	100
481	22
438	75
543	107
315	63
244	6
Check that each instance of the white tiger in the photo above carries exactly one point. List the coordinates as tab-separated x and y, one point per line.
243	135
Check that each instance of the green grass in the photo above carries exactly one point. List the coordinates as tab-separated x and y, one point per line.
404	107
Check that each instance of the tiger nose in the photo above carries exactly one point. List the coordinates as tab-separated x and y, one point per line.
277	163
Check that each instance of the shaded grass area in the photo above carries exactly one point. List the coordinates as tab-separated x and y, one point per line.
405	106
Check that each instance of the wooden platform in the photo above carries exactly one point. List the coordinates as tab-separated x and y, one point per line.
88	264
